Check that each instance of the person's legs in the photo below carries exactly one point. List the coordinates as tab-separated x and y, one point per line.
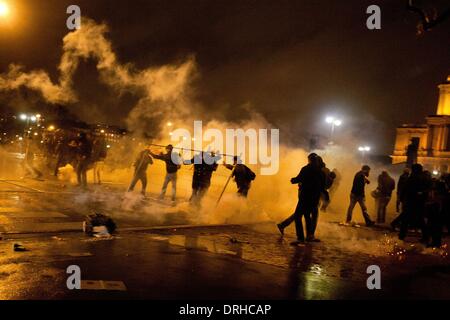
299	212
362	203
381	212
174	186
314	220
79	173
133	182
350	208
144	182
165	184
404	224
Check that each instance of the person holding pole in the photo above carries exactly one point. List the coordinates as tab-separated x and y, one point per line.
173	164
243	176
141	164
204	165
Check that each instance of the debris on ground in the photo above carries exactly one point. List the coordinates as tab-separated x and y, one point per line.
99	225
19	248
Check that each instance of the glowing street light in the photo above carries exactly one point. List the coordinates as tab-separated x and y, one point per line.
23	117
169	124
4	9
334	122
364	150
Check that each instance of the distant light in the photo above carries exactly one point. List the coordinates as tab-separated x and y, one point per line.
23	116
364	148
4	9
169	124
33	118
170	134
108	146
338	123
20	138
51	128
329	120
35	133
38	116
435	172
102	131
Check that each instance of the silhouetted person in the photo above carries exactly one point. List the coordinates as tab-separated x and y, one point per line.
204	165
435	213
173	164
399	205
141	164
311	182
385	187
412	153
357	195
243	176
84	152
28	163
414	195
99	154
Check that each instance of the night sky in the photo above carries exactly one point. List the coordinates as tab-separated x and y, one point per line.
292	61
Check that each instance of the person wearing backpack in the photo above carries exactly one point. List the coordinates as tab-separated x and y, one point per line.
243	176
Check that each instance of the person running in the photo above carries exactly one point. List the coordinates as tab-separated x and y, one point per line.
311	182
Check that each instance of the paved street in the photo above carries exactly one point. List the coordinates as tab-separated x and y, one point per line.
159	254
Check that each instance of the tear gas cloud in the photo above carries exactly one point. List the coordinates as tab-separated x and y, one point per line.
166	94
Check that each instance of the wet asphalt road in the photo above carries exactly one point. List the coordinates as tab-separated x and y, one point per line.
221	262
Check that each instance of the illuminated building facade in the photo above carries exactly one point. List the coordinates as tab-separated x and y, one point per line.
431	140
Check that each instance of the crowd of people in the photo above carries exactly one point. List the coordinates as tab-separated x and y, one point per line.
423	202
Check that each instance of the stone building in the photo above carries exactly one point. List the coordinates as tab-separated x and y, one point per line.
428	143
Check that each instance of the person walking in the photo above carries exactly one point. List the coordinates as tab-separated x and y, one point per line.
357	195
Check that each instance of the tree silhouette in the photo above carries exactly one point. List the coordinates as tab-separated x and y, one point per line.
427	22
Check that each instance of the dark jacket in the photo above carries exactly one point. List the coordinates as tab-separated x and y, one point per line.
171	166
242	174
202	171
401	184
359	184
84	147
415	193
386	185
311	180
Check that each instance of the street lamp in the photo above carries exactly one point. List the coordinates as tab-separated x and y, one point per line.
4	9
333	122
364	150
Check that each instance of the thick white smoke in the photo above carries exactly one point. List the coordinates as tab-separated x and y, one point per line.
161	88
